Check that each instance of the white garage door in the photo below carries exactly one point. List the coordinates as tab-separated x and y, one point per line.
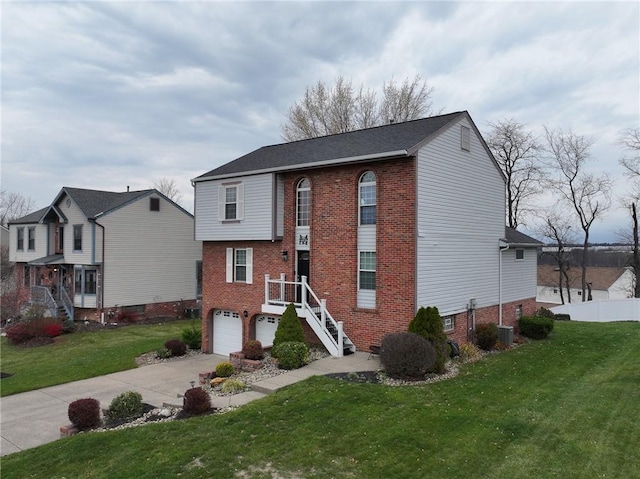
227	332
266	329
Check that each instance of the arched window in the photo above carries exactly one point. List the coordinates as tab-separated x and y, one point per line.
303	199
367	198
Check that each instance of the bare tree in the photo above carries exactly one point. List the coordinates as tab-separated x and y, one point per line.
168	187
557	228
586	193
328	110
14	206
517	152
630	140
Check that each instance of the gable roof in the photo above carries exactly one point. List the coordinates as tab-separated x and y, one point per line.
34	217
393	140
94	203
600	277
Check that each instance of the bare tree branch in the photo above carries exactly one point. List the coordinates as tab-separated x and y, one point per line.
14	206
169	188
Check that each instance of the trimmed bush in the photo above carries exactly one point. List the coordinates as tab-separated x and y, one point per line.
163	353
18	333
232	386
562	317
292	355
69	326
428	324
27	329
544	312
192	336
253	350
177	347
486	336
225	369
84	413
196	401
289	329
407	355
126	405
535	327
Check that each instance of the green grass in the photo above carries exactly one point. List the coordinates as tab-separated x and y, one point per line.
564	407
81	355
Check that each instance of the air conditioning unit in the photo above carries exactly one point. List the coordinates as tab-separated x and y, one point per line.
505	335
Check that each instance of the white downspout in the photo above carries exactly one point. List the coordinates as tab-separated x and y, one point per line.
503	247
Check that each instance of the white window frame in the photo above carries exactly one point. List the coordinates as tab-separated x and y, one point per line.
239	202
448	323
231	275
31	238
465	138
520	252
362	270
303	208
20	239
364	202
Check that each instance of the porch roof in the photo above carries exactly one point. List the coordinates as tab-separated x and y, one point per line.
45	260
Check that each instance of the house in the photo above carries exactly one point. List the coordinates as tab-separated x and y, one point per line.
101	254
605	283
359	230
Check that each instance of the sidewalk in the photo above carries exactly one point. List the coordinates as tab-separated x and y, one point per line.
34	418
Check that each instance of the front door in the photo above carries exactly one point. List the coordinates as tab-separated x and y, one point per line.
302	270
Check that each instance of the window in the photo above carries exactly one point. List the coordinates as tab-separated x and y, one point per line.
20	242
198	279
465	138
230	202
447	323
240	265
90	282
519	254
31	237
77	237
519	312
77	281
367	268
61	238
367	198
154	204
303	203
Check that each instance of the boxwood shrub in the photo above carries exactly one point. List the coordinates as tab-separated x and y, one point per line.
292	354
126	405
407	355
535	327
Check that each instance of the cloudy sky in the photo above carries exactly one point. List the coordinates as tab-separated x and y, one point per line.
109	94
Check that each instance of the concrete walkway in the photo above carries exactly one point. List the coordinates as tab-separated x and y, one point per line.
34	418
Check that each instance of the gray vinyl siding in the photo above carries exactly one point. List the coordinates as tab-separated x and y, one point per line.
279	206
150	256
258	219
460	217
25	254
519	278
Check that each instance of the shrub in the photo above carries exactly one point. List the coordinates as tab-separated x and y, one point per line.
84	413
27	329
225	369
177	347
192	336
486	335
292	354
232	386
562	317
544	312
69	326
52	330
126	405
407	355
470	352
163	353
289	329
18	333
35	311
196	401
535	327
253	350
428	324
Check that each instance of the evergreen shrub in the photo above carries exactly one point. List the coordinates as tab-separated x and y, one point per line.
292	355
289	329
428	324
126	405
486	335
535	327
192	336
225	369
407	355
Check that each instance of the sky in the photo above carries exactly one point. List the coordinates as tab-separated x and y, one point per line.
106	95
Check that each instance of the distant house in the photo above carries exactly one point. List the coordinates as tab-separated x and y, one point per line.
4	236
605	283
98	254
359	230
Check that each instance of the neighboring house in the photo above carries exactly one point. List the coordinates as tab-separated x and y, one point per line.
605	283
359	230
4	236
102	253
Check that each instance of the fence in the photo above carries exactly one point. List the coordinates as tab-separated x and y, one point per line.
602	311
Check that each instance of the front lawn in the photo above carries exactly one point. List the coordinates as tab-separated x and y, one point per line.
563	407
81	355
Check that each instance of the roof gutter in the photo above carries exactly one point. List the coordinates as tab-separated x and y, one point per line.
303	166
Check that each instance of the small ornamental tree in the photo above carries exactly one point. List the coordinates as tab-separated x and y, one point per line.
428	324
289	329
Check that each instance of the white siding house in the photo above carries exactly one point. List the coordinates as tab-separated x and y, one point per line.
98	252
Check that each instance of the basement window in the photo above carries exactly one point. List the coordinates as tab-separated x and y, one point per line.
448	323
